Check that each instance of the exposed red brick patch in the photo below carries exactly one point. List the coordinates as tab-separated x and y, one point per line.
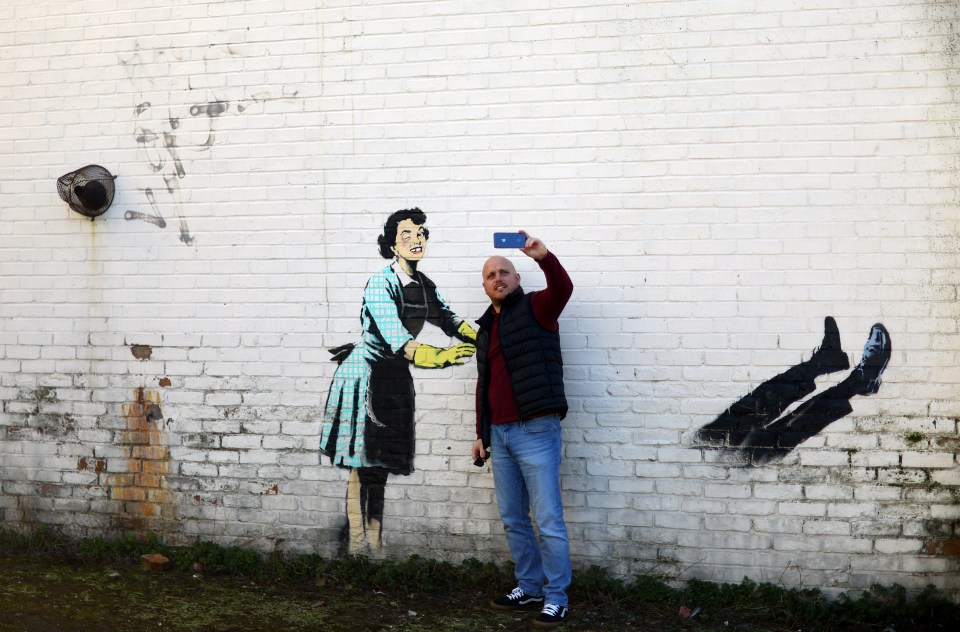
164	381
140	482
98	466
128	493
141	352
949	547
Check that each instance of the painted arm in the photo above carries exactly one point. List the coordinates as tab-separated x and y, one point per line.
440	315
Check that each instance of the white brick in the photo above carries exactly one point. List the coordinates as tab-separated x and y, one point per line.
780	492
727	491
802	509
928	460
898	547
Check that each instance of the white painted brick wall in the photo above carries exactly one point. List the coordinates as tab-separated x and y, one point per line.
716	176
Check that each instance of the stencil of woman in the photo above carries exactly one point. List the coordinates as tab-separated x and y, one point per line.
368	423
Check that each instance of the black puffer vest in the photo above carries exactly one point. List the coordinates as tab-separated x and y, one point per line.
533	359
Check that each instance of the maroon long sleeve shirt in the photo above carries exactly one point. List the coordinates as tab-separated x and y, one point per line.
547	304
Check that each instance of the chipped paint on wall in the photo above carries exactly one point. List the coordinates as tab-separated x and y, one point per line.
141	352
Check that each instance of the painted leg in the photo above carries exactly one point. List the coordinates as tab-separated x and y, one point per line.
356	545
372	483
810	418
768	401
782	436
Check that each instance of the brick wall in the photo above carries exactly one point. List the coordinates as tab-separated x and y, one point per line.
718	177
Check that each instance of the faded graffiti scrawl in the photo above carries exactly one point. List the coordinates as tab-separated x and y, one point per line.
163	140
753	427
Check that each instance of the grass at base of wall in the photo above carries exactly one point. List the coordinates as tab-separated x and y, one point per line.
601	599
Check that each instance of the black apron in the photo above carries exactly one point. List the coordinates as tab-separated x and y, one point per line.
389	433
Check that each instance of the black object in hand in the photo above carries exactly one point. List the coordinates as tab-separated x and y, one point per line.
482	458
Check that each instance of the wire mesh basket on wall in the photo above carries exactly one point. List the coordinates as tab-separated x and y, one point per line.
88	190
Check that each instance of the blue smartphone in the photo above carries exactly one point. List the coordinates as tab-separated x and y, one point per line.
509	240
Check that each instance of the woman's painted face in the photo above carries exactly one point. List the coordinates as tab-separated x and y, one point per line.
411	241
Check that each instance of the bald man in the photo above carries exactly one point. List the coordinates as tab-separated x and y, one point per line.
520	402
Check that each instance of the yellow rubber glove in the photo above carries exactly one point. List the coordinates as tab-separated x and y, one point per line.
428	357
467	331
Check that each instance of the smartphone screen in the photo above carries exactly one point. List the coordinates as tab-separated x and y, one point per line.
509	240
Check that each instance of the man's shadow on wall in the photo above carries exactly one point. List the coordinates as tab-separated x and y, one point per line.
753	428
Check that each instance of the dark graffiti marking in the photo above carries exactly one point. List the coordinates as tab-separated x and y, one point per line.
147	141
188	129
170	142
753	427
185	232
162	147
261	98
212	110
156	219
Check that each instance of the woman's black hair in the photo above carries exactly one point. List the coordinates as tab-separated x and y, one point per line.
388	239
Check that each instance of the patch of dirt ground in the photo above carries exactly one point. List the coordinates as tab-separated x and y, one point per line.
43	595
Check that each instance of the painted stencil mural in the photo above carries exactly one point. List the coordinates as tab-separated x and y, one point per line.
755	427
369	416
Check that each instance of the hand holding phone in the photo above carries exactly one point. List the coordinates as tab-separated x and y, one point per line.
479	453
509	240
482	458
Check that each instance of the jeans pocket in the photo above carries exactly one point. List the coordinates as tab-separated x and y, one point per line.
541	424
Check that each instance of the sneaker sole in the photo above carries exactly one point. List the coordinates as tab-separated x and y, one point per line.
520	606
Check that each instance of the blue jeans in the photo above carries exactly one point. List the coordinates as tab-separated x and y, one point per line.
526	475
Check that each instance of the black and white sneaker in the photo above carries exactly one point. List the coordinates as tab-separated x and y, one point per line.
865	377
516	599
551	616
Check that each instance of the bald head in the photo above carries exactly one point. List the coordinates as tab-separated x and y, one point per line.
500	278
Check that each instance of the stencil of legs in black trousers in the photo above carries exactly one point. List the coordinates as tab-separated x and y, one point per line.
753	426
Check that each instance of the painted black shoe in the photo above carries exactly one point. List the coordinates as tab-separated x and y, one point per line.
829	357
516	599
551	616
865	377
